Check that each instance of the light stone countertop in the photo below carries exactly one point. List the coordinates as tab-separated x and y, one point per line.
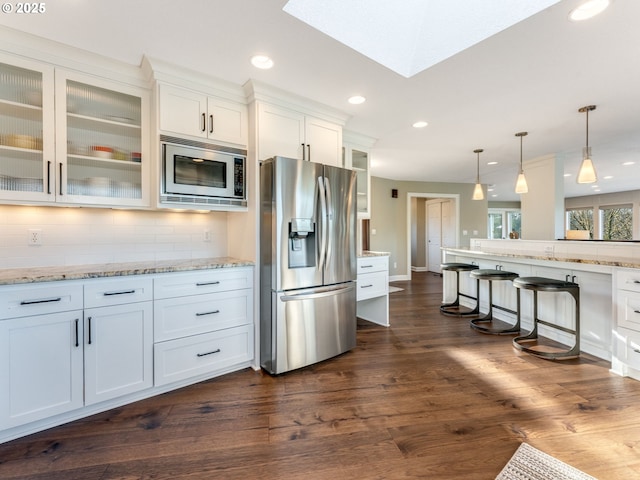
586	259
369	253
10	276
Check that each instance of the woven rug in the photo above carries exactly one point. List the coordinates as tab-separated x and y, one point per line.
529	463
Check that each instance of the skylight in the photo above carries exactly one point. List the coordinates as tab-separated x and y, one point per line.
409	36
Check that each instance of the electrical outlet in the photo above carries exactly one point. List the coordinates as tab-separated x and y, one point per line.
35	237
395	264
207	236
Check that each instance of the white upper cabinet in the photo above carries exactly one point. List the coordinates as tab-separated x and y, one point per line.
102	145
187	112
92	149
289	133
27	157
357	157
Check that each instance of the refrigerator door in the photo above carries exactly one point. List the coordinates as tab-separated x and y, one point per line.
340	225
310	326
294	224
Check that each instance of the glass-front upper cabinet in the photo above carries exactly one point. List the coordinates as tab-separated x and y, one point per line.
356	156
102	146
26	132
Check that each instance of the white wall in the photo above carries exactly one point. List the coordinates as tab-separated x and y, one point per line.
72	236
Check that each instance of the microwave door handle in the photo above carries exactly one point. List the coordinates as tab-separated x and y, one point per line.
321	222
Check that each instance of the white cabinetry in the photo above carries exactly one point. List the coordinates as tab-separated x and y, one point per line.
373	289
203	323
626	348
289	133
356	153
40	352
118	337
188	112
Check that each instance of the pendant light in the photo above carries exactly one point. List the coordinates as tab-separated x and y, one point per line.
521	183
478	194
587	173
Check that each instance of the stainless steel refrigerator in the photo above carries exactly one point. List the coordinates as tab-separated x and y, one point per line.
308	263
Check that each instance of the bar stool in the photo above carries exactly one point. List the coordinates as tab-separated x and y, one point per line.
540	284
492	275
454	307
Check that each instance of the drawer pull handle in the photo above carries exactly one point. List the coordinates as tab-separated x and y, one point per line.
366	266
636	350
202	284
46	300
208	353
207	313
366	286
123	292
636	311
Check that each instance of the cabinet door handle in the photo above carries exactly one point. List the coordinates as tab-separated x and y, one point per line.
309	152
204	122
636	311
304	156
89	325
202	284
44	300
60	178
77	339
49	177
636	281
207	313
210	123
123	292
208	353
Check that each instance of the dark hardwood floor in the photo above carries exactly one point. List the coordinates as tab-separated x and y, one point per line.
426	398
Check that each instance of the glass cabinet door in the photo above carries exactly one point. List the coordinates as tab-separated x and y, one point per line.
26	132
360	163
100	150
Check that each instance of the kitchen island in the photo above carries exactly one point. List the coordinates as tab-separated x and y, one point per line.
373	287
609	277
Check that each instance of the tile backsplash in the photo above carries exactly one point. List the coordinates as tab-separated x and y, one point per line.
73	236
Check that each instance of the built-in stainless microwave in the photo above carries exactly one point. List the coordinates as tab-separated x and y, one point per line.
202	174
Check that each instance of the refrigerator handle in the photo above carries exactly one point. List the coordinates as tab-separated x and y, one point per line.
329	221
318	293
322	222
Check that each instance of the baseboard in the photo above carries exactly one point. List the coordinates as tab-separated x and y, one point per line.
419	269
399	278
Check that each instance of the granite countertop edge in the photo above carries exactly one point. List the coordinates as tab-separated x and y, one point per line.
604	261
13	276
370	253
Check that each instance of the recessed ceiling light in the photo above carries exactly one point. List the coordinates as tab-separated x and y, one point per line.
494	195
595	186
608	177
262	61
567	175
588	9
626	164
357	100
420	124
492	163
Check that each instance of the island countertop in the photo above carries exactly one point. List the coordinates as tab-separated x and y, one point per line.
369	253
10	276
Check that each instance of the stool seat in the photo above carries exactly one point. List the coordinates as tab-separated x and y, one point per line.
453	308
500	328
542	284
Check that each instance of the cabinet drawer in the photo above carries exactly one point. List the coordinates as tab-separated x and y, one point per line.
183	358
628	305
372	285
632	348
180	317
37	299
118	291
373	264
628	279
209	281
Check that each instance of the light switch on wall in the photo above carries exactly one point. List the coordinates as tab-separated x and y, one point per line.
373	231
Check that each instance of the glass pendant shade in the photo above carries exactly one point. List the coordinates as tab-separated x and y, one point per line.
587	173
478	194
521	183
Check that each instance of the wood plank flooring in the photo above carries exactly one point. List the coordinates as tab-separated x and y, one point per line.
427	398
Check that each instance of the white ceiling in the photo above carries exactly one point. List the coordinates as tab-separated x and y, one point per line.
530	77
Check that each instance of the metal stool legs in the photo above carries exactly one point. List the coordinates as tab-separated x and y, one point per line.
453	308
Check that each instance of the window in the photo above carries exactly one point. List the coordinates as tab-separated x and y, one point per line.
580	219
616	223
504	223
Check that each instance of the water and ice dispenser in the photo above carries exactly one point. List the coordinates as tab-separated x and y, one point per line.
302	243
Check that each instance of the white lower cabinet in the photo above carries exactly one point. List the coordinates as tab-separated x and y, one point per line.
40	367
373	289
203	323
69	349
